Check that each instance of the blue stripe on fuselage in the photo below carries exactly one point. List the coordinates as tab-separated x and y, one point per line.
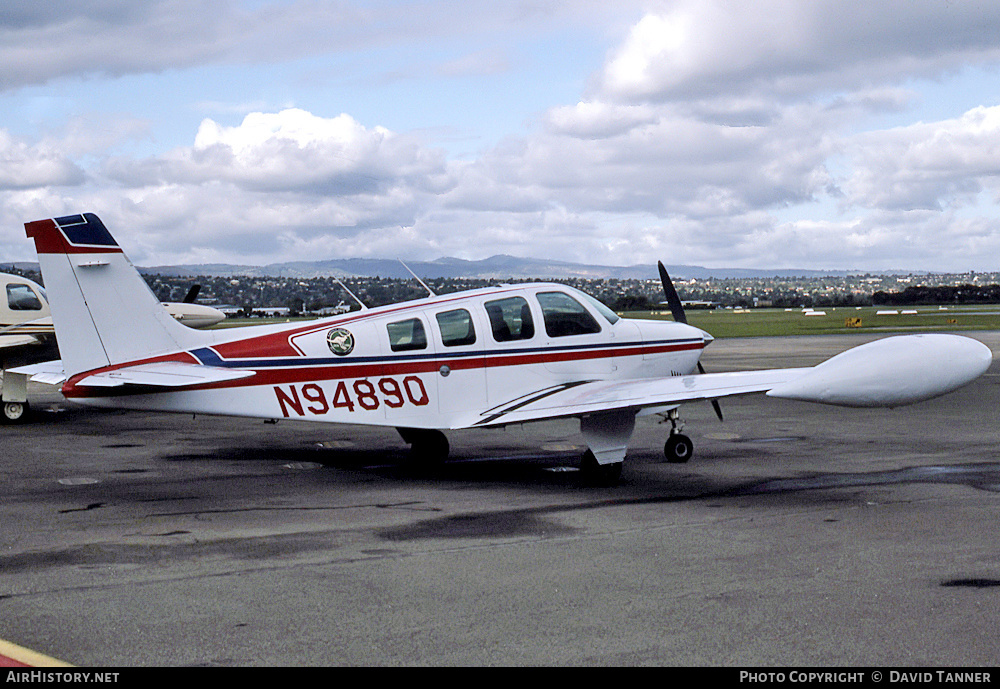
209	357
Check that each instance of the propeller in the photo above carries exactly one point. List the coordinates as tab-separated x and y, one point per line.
677	310
192	294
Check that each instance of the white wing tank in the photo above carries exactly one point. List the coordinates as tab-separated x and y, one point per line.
892	372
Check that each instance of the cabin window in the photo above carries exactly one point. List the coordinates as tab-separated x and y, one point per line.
407	335
456	328
22	298
510	319
564	315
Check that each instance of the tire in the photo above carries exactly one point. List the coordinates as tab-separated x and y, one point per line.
678	449
596	474
15	412
427	447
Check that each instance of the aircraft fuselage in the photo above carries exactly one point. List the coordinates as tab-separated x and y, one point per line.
441	362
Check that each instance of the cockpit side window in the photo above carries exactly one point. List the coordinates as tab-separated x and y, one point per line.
565	316
405	336
22	298
510	319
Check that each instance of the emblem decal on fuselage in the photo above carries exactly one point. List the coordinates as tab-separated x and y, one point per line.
340	341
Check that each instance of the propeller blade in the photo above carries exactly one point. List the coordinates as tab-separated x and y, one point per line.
715	403
192	294
717	408
676	308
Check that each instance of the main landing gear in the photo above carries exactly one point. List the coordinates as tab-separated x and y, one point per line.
427	446
596	474
678	448
15	412
14	397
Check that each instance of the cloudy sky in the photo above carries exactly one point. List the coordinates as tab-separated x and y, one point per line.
768	134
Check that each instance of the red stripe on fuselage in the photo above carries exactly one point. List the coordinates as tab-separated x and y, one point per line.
302	374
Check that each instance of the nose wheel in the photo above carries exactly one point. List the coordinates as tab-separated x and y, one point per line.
678	448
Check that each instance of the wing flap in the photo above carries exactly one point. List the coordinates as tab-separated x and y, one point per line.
577	399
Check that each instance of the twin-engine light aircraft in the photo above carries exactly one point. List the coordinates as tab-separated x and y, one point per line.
477	359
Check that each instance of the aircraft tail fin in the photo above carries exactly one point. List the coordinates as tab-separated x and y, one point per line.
102	309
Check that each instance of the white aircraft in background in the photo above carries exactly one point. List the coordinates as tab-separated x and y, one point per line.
27	334
477	359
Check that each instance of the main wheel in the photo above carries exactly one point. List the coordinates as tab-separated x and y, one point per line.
427	446
678	448
597	474
15	412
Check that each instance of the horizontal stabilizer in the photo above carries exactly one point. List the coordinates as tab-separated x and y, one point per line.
167	374
48	372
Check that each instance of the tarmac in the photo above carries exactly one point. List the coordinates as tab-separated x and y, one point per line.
798	535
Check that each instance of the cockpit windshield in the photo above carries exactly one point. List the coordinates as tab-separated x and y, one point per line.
605	311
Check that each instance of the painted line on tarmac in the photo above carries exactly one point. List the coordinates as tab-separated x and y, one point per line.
12	655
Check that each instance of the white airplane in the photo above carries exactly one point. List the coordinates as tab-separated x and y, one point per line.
27	334
477	359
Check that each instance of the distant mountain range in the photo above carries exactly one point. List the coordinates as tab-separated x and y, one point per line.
496	267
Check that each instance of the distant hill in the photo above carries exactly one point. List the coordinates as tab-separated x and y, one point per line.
498	267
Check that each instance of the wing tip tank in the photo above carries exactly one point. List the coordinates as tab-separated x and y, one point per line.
891	372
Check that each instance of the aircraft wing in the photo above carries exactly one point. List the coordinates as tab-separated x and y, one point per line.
157	376
587	397
10	340
890	372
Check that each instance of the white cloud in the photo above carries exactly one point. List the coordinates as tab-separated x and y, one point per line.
28	166
694	48
293	151
927	165
716	132
40	42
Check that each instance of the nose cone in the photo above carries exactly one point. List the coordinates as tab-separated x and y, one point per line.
706	337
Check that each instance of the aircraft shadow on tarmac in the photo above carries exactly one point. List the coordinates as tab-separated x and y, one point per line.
502	465
514	465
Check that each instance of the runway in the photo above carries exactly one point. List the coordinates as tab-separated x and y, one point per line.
798	535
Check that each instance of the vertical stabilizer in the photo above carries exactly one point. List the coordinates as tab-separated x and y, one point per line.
102	309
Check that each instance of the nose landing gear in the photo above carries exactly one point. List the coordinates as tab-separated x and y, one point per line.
678	449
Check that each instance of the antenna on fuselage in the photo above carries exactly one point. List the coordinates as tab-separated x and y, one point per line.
422	283
353	296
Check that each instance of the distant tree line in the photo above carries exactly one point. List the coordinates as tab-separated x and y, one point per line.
944	294
309	295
